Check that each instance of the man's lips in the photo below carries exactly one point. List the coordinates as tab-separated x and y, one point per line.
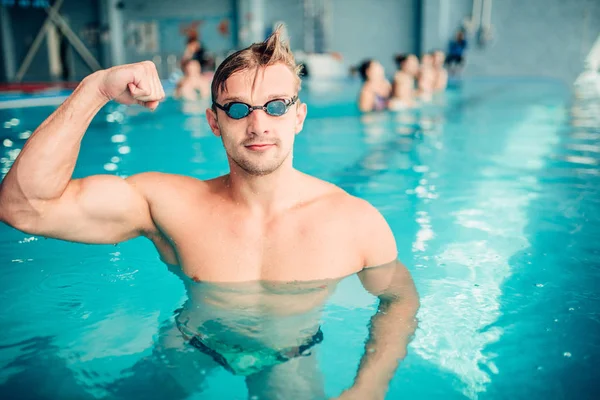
259	146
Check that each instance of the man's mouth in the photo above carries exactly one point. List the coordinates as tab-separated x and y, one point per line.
259	146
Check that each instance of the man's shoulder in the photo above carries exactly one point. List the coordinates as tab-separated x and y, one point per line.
359	211
162	178
336	200
364	223
164	184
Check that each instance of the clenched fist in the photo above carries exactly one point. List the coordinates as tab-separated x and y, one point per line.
132	83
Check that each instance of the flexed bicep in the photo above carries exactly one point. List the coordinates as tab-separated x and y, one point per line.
97	209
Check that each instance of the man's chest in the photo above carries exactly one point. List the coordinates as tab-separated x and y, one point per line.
236	249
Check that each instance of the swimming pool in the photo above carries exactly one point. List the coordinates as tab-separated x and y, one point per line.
493	197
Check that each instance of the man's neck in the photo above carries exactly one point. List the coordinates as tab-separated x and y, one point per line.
265	194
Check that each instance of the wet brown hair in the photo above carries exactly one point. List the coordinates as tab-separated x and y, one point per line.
272	51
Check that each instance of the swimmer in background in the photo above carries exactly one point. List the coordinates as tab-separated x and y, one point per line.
441	75
192	47
239	241
426	78
193	84
376	90
403	94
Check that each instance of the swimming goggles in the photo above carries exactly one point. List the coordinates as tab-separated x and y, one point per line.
275	108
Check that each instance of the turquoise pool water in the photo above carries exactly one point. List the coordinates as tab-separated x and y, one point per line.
492	194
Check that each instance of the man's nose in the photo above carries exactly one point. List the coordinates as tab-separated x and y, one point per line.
258	123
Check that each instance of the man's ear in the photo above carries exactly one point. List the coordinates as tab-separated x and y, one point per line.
301	111
211	117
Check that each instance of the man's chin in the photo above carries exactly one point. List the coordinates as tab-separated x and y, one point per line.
257	169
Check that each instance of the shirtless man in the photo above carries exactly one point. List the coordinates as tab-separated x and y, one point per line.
236	240
403	94
193	84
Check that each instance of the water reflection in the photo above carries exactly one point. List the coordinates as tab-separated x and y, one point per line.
471	229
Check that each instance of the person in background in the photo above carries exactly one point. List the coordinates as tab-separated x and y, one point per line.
376	90
403	93
194	83
426	77
456	49
440	73
192	47
194	50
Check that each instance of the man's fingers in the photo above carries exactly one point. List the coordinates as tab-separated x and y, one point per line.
149	104
139	83
146	88
146	95
152	105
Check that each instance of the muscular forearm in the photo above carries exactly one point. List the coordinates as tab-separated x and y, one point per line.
391	330
45	165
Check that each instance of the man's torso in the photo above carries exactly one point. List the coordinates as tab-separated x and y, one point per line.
214	239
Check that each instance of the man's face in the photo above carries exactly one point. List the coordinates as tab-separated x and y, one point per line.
259	143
